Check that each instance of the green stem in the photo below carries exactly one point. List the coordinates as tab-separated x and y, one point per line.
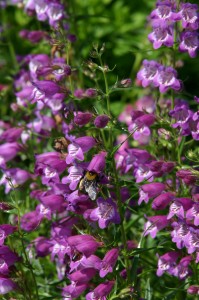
9	42
23	245
117	183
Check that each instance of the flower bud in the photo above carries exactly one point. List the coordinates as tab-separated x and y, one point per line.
101	121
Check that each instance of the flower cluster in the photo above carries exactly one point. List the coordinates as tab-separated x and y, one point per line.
159	76
82	179
166	17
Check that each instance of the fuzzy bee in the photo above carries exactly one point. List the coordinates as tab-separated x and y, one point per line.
88	184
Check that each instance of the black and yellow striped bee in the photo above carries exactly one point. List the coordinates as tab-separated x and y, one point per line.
88	184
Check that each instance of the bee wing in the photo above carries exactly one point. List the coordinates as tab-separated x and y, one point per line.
91	189
92	192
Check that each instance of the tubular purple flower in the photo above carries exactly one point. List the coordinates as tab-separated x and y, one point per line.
8	151
161	36
187	176
11	135
85	244
7	258
30	221
150	190
42	246
74	177
34	36
101	121
82	118
107	264
79	146
47	87
167	262
105	213
189	42
167	78
155	224
98	163
182	270
91	93
74	290
55	203
189	15
179	206
149	72
193	290
162	201
6	285
193	213
164	13
82	276
13	178
55	13
101	291
5	230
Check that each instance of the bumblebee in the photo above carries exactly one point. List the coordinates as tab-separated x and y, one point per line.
88	184
61	144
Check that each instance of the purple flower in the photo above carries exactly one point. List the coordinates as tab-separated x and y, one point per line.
82	276
193	213
90	93
30	221
13	178
47	88
84	262
187	176
161	36
11	135
162	201
55	13
85	244
79	93
167	262
75	175
150	190
164	13
7	258
8	151
182	269
142	172
101	121
73	290
149	72
189	42
180	234
182	115
101	291
98	163
54	202
189	15
82	118
5	230
6	285
80	146
108	262
193	290
42	246
179	206
194	126
167	78
105	213
41	7
155	224
49	165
